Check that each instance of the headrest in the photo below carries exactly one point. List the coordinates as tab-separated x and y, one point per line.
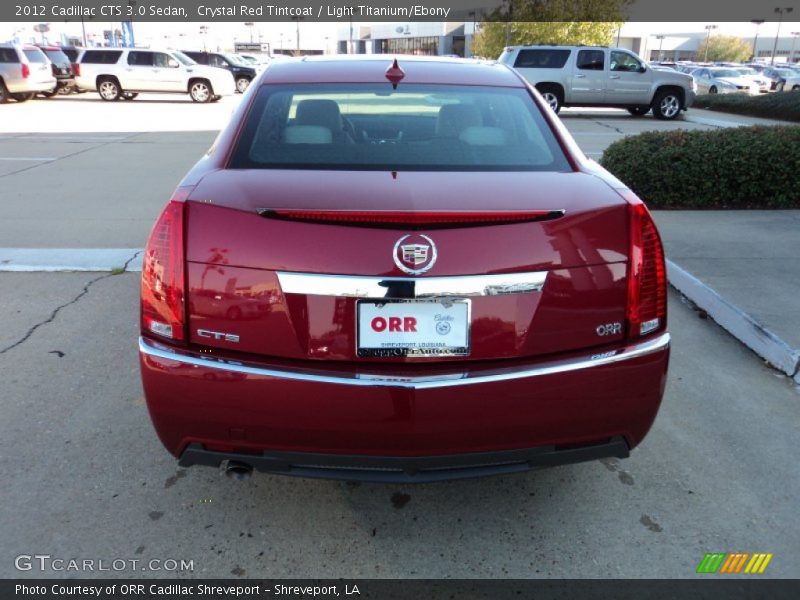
307	134
455	118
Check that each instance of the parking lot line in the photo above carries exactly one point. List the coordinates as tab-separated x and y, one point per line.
32	260
28	158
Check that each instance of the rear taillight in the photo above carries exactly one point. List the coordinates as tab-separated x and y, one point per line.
411	219
76	69
162	300
647	276
26	71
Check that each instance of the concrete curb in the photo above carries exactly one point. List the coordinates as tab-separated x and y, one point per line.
737	322
53	260
733	120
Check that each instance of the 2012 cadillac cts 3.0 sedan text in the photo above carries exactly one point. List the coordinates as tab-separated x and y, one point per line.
400	271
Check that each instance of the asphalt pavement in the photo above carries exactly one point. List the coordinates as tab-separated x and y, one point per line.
86	476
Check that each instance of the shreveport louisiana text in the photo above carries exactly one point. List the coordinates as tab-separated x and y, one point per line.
166	590
212	11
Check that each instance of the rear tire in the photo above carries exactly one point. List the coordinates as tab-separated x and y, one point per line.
712	89
4	95
553	96
200	91
23	97
109	89
638	111
241	84
666	105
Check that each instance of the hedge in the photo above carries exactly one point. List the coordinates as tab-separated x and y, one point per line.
739	167
778	105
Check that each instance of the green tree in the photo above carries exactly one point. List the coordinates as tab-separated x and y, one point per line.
549	22
728	48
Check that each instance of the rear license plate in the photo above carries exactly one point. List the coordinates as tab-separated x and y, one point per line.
413	328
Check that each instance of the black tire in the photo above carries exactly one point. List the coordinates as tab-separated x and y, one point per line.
24	97
667	105
638	111
4	95
109	89
129	95
241	84
200	91
712	89
552	95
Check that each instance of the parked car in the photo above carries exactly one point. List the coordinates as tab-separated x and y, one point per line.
257	61
790	83
416	331
124	72
62	70
599	76
242	73
24	72
776	76
754	76
720	80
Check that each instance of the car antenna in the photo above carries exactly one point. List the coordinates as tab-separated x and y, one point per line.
395	74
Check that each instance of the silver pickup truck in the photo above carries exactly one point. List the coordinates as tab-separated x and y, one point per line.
600	76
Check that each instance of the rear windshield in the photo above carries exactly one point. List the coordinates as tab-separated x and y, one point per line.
57	56
34	55
413	128
8	55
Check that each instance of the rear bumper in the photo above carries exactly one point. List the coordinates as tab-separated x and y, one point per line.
23	86
207	409
390	469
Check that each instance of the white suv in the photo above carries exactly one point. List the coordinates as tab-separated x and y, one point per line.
600	76
124	72
24	72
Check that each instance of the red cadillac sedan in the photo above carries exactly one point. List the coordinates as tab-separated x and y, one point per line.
400	270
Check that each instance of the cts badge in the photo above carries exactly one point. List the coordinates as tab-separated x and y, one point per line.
219	336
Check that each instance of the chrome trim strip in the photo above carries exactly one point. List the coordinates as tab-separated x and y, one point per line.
153	349
350	286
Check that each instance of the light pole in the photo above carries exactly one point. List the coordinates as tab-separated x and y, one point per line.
757	23
780	12
660	39
297	21
794	35
204	32
250	27
709	28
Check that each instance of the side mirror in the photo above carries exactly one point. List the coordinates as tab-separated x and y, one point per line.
172	63
641	69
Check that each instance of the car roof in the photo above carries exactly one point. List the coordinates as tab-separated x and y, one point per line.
372	69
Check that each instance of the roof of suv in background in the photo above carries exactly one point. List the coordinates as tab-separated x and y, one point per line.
372	69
